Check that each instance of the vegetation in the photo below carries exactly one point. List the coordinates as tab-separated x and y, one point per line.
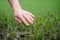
45	27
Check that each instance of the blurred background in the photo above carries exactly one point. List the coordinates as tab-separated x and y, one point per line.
45	27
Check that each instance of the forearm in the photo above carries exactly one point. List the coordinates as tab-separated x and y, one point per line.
14	4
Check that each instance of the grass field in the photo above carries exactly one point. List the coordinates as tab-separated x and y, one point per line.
47	20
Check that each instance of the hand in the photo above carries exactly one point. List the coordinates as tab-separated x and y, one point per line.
23	16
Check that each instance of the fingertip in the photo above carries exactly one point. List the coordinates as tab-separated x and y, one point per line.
27	24
32	15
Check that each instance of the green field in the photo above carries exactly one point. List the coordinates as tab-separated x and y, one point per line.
47	20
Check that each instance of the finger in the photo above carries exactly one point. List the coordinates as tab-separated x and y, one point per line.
31	14
31	18
23	20
17	19
27	18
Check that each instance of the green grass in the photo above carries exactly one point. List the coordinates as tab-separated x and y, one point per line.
47	19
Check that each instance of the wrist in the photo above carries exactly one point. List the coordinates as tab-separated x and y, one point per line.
16	8
15	5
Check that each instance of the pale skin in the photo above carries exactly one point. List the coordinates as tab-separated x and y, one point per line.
21	15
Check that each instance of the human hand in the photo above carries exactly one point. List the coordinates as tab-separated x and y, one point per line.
24	16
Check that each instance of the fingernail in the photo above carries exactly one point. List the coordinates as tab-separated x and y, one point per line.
32	22
33	16
27	24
